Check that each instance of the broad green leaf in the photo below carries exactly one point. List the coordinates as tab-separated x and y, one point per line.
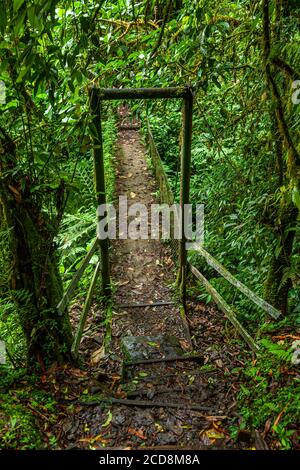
19	24
108	421
33	19
3	20
18	4
296	197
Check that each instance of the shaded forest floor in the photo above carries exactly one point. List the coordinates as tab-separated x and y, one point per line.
182	404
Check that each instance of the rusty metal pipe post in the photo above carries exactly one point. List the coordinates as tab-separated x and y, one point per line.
185	185
96	128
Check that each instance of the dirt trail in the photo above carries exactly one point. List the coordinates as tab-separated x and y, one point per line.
142	269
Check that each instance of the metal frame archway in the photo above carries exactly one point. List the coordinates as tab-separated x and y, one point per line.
97	95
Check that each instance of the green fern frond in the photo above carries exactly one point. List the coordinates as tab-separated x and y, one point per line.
276	350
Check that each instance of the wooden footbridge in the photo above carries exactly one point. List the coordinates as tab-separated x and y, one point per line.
97	96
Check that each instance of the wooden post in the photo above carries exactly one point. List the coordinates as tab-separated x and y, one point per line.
142	93
185	185
85	312
95	106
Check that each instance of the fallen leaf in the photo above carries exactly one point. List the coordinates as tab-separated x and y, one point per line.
268	424
213	433
97	355
153	344
115	378
120	392
93	439
77	372
18	196
286	336
132	195
186	346
280	414
199	308
159	428
108	421
137	432
215	418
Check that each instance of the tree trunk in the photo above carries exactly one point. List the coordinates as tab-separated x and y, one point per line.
276	288
34	281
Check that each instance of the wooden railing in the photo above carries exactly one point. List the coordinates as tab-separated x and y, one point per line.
166	195
229	312
269	309
165	191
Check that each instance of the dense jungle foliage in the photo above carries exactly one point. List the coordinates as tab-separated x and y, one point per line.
241	59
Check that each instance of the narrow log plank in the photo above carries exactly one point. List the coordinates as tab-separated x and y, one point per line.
146	304
141	93
192	358
143	404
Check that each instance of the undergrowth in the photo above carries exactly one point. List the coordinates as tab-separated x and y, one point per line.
26	412
269	394
77	232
